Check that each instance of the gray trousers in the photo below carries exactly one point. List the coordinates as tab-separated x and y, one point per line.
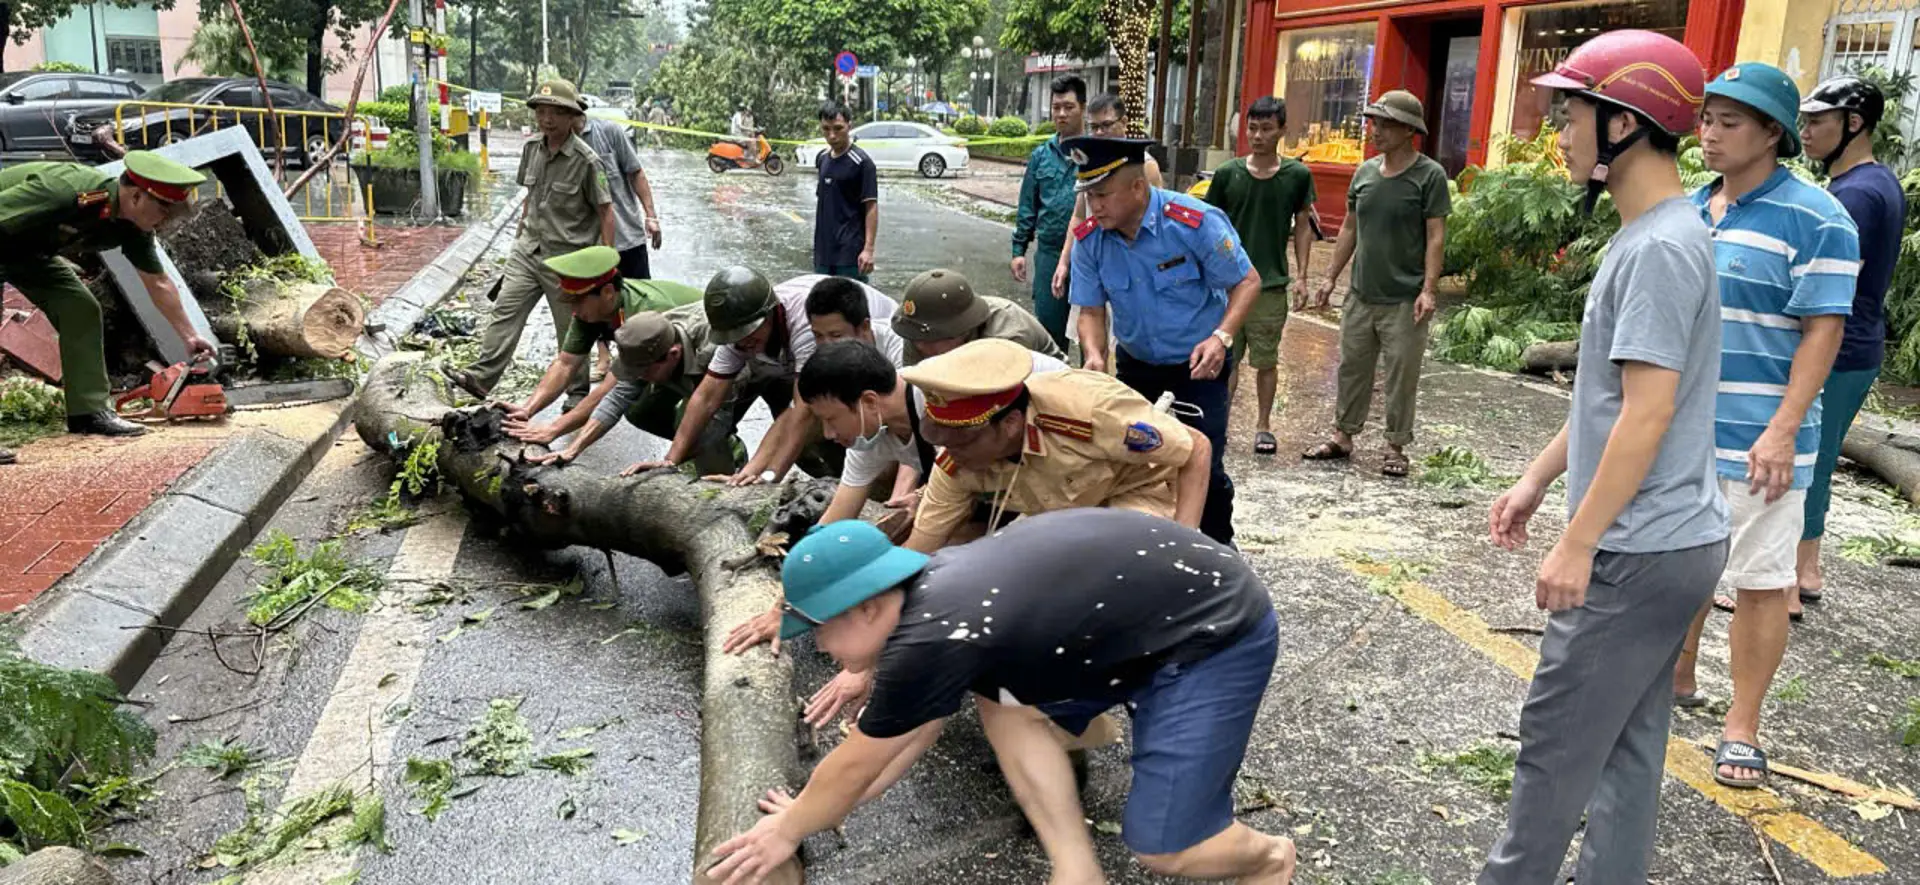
1593	733
526	283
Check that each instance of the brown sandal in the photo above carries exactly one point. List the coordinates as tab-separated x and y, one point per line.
1327	451
1394	464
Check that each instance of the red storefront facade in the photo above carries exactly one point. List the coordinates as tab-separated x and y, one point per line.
1468	60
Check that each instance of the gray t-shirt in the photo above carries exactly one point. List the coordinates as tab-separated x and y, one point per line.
619	160
1655	300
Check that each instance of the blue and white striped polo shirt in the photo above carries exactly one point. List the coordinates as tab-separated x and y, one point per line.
1786	250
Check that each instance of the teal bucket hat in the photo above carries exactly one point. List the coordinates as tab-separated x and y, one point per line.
836	567
1766	89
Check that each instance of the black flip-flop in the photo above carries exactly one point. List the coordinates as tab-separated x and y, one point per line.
1740	754
1264	443
1812	594
1692	701
1327	451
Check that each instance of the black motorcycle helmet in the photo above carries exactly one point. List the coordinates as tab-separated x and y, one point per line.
1853	96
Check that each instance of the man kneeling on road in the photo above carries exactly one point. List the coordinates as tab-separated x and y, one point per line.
763	340
941	312
1044	613
601	302
659	360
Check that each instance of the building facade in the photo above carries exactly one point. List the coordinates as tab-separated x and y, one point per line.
1469	61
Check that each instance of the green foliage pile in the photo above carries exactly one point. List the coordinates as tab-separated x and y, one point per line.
1909	724
1008	127
265	836
1456	467
292	267
419	476
1903	295
501	744
221	757
294	578
1517	236
67	754
1486	766
1044	127
60	67
970	125
30	409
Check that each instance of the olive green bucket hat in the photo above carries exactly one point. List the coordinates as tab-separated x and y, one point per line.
738	300
1401	107
560	94
939	304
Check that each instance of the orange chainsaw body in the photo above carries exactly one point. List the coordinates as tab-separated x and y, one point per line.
182	390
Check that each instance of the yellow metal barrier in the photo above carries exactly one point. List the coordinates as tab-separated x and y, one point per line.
304	134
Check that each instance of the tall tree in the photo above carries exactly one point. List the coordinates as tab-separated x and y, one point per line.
305	23
1087	28
878	31
20	18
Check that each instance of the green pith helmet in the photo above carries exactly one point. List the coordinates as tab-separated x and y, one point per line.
738	300
939	304
560	94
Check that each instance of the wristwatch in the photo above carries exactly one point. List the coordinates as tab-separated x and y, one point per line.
1225	337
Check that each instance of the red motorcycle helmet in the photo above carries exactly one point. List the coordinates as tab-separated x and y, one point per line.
1648	73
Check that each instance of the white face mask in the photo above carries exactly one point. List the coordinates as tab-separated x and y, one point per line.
864	442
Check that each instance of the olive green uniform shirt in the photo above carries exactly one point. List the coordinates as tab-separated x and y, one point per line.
636	297
1390	252
565	190
1010	321
48	209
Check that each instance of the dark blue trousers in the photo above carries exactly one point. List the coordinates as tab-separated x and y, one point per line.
1211	398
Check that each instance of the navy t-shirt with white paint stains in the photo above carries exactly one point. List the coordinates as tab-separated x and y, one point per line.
1072	605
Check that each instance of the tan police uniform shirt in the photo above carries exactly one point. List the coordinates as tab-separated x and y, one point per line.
1091	442
565	190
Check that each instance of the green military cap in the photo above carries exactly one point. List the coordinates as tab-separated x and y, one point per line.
1098	156
641	341
738	299
560	94
939	304
585	270
1401	107
169	180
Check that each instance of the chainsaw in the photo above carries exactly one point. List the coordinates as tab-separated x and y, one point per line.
193	390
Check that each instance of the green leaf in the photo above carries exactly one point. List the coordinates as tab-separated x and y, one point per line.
120	849
568	762
566	810
1107	828
579	731
477	618
627	837
542	601
41	817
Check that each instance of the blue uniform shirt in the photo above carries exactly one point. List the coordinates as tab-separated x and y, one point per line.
1166	290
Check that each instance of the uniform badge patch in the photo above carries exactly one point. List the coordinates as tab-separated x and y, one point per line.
1186	215
1226	246
1142	437
906	307
1086	228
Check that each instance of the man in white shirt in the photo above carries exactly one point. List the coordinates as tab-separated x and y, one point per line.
763	340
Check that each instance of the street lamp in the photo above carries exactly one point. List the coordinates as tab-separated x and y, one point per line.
977	78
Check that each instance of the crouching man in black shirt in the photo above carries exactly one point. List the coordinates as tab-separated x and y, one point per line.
1074	611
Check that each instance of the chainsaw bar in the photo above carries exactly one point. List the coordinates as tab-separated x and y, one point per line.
283	394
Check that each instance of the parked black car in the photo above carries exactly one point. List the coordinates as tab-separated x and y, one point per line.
37	110
303	137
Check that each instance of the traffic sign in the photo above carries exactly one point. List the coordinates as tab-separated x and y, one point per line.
869	71
846	63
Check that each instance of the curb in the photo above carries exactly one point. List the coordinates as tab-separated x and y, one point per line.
107	615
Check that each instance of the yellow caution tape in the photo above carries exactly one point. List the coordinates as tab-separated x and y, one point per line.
1028	140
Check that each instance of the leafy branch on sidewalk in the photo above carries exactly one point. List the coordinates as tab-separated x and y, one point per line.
67	756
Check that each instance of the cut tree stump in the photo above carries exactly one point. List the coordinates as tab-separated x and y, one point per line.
1548	357
727	539
300	320
1894	457
57	866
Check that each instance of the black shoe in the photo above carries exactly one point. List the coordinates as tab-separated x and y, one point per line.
464	380
8	457
103	423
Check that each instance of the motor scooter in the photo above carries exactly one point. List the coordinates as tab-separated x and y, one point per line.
730	154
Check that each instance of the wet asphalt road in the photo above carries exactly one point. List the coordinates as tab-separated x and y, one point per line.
1369	677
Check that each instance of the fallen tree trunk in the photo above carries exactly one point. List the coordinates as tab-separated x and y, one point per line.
724	537
300	321
1548	357
57	866
1894	457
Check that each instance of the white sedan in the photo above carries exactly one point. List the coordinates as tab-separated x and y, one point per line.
896	145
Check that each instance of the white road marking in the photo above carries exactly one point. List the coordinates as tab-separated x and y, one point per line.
353	739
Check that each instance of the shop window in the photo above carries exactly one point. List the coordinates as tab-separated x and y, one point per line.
1323	77
1549	34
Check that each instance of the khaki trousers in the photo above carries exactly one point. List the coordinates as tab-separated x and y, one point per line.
525	283
1369	332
